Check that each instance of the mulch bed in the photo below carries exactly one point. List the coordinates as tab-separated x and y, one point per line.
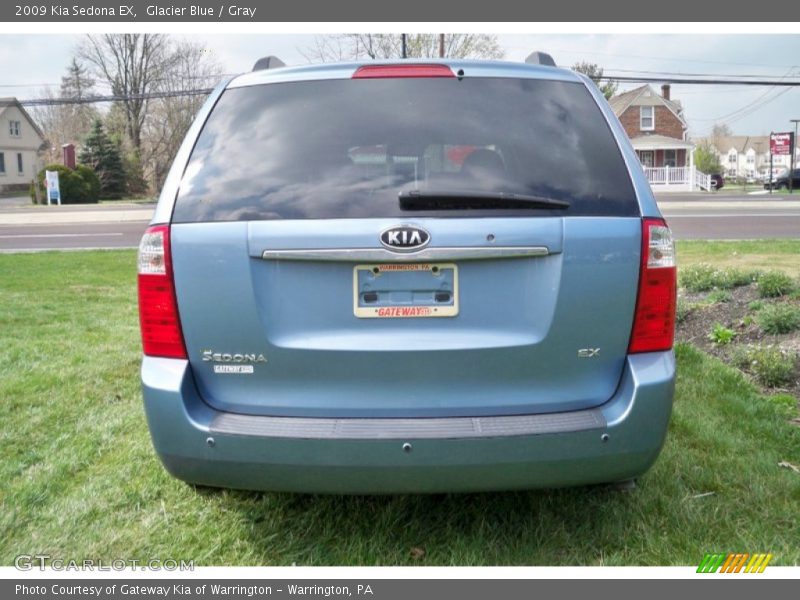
697	325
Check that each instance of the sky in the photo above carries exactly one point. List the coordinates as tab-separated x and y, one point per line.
28	63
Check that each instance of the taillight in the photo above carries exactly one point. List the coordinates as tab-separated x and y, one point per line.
404	70
158	309
654	320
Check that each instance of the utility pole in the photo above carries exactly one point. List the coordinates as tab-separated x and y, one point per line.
770	163
405	50
441	45
794	151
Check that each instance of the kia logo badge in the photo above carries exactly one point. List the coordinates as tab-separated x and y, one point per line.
405	238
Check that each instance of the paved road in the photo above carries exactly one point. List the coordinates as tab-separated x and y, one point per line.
71	236
735	217
24	227
691	216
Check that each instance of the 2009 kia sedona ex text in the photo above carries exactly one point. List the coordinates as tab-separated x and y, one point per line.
407	277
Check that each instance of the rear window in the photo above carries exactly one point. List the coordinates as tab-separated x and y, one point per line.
347	148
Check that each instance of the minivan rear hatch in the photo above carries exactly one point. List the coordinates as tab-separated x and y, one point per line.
406	247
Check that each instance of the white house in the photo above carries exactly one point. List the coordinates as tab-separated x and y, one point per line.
746	156
20	143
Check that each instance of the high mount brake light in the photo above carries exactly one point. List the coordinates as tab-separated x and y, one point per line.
654	319
158	308
392	71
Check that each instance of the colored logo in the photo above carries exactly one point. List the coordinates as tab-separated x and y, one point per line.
734	562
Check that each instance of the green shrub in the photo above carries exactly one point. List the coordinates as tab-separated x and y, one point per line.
779	318
774	283
91	182
755	305
79	186
704	277
770	366
721	335
737	278
718	296
697	278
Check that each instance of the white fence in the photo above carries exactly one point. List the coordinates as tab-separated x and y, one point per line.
677	179
702	180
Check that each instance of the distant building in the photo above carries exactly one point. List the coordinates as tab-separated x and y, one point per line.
21	141
657	129
746	156
655	125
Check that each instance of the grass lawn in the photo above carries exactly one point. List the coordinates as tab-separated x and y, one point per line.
783	255
79	477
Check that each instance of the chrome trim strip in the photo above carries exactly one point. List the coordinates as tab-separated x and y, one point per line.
387	256
406	429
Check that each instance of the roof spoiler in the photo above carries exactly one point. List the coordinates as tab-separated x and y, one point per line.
540	58
268	62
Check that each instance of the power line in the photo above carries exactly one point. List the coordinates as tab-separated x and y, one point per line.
772	82
684	74
114	98
590	53
755	104
205	91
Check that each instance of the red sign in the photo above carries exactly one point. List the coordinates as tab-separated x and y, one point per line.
781	143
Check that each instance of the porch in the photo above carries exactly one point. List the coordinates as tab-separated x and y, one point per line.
677	179
668	164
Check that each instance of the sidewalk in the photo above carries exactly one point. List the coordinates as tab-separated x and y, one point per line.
738	204
95	213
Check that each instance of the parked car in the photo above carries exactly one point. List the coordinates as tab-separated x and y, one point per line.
781	182
717	181
393	277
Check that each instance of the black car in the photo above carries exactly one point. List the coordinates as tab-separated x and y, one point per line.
781	182
717	182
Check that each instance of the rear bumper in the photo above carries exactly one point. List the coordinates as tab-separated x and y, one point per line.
618	440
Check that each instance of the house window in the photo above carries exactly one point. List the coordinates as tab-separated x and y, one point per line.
13	128
19	163
732	159
751	159
670	158
2	164
647	119
647	157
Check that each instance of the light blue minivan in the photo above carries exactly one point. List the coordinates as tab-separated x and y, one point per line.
407	276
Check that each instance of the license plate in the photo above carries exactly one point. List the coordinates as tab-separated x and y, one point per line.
405	290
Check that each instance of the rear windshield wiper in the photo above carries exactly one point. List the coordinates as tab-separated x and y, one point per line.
454	200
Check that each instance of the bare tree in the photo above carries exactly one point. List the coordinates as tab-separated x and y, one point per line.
132	64
67	123
721	130
360	46
168	120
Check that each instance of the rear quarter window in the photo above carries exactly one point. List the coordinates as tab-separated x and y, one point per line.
347	148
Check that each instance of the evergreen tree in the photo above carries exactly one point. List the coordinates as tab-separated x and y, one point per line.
103	156
595	73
